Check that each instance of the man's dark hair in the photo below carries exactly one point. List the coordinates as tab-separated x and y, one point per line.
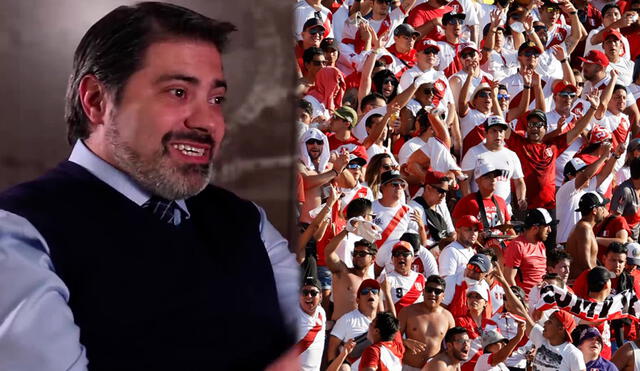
309	53
372	248
617	87
616	248
369	122
387	324
305	106
502	87
434	278
635	168
379	78
596	285
358	207
606	8
554	256
413	239
370	98
114	48
452	332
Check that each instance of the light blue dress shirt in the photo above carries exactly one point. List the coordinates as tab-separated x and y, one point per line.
37	330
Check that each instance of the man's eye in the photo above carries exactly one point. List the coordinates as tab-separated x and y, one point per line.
217	100
180	93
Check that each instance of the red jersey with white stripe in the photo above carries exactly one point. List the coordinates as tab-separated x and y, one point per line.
310	339
350	194
303	11
472	129
449	61
405	290
382	356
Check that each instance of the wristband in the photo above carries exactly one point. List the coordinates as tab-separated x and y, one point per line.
573	13
527	87
563	61
336	171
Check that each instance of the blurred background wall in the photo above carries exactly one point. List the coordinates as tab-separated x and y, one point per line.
37	41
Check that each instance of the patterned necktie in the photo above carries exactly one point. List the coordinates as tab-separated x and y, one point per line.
165	210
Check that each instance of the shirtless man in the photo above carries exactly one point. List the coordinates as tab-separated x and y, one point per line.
627	357
457	344
582	244
425	324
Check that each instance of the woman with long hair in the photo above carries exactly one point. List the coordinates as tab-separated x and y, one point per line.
378	164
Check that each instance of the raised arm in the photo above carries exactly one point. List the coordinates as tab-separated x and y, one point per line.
605	96
578	32
376	130
489	38
495	106
623	22
536	82
525	97
505	352
567	72
584	176
594	99
463	103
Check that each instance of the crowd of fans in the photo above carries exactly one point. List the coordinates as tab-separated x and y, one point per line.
456	158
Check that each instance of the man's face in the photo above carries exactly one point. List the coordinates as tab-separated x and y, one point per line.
591	71
618	101
528	58
312	36
549	15
331	56
361	257
355	169
338	125
552	327
316	64
388	87
601	213
393	190
168	125
487	183
377	103
564	99
435	193
499	39
314	148
380	7
368	299
611	16
579	84
482	101
453	28
460	347
562	269
472	271
504	98
303	116
404	42
615	262
428	56
402	260
469	57
433	294
591	347
543	232
612	47
309	299
424	95
475	302
495	136
468	236
536	129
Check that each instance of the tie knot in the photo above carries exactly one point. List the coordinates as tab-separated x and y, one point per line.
165	210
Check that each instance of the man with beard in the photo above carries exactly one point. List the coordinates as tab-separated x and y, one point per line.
582	244
456	350
312	34
456	255
311	321
119	257
425	324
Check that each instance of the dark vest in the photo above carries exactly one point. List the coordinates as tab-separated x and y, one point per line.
150	296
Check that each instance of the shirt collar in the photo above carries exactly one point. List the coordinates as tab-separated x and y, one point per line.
115	178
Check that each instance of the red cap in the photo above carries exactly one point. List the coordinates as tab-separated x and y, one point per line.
613	33
596	57
361	152
469	221
426	43
567	321
433	177
386	59
369	283
562	86
599	134
400	245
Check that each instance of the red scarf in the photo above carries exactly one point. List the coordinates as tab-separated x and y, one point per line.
329	88
409	57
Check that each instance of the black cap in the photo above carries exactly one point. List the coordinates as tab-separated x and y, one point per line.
451	15
550	3
390	175
591	200
538	216
312	22
311	281
405	29
481	261
573	166
328	44
538	113
599	274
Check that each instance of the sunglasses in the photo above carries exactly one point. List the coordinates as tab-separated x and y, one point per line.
401	253
313	293
433	290
319	63
531	53
538	124
467	55
390	81
462	341
474	268
539	28
316	31
567	94
483	94
361	254
353	166
368	290
433	51
552	9
315	141
581	84
388	167
438	189
503	96
455	21
398	184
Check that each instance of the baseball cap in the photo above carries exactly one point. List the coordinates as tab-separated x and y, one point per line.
567	321
348	114
588	333
491	337
599	134
610	33
328	43
573	166
390	175
633	145
551	3
452	15
368	283
426	43
481	261
538	113
591	200
528	45
359	153
468	45
312	23
311	281
496	120
600	275
480	290
562	86
434	177
595	57
538	216
482	86
484	167
405	29
469	221
402	245
633	253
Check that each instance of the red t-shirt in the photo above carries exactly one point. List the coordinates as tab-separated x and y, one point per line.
334	142
468	205
424	13
539	167
299	51
614	224
530	258
372	356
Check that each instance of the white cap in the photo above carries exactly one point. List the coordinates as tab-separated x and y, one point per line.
484	167
482	291
469	45
633	253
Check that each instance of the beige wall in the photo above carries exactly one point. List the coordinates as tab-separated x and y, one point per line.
37	40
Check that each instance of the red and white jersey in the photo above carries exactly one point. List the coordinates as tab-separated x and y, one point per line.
515	85
310	338
440	158
440	83
625	50
600	85
461	76
394	221
382	356
497	297
351	36
472	129
424	262
455	293
303	11
449	63
634	91
553	121
557	34
619	126
405	290
350	194
400	62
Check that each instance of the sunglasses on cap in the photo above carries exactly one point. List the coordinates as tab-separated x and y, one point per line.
438	189
466	55
483	94
433	290
401	253
454	21
319	63
474	268
531	53
353	166
313	293
316	31
315	141
361	254
567	94
537	124
368	290
539	28
433	51
503	96
398	184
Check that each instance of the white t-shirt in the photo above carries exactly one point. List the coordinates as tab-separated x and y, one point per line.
502	64
440	156
504	159
563	357
311	358
408	148
625	70
351	325
454	258
567	200
483	364
588	46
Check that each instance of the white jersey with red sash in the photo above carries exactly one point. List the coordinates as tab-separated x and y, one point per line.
303	11
424	262
553	122
618	125
472	129
350	194
394	221
515	85
497	297
311	336
557	34
405	290
449	61
382	356
461	76
400	61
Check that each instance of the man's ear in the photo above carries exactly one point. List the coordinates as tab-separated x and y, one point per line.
93	97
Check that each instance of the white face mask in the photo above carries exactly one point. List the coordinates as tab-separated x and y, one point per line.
365	229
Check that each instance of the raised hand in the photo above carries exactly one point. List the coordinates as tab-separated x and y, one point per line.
605	149
528	75
496	17
528	23
614	74
594	98
558	52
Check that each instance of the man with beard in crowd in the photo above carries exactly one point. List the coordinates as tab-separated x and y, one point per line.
456	350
